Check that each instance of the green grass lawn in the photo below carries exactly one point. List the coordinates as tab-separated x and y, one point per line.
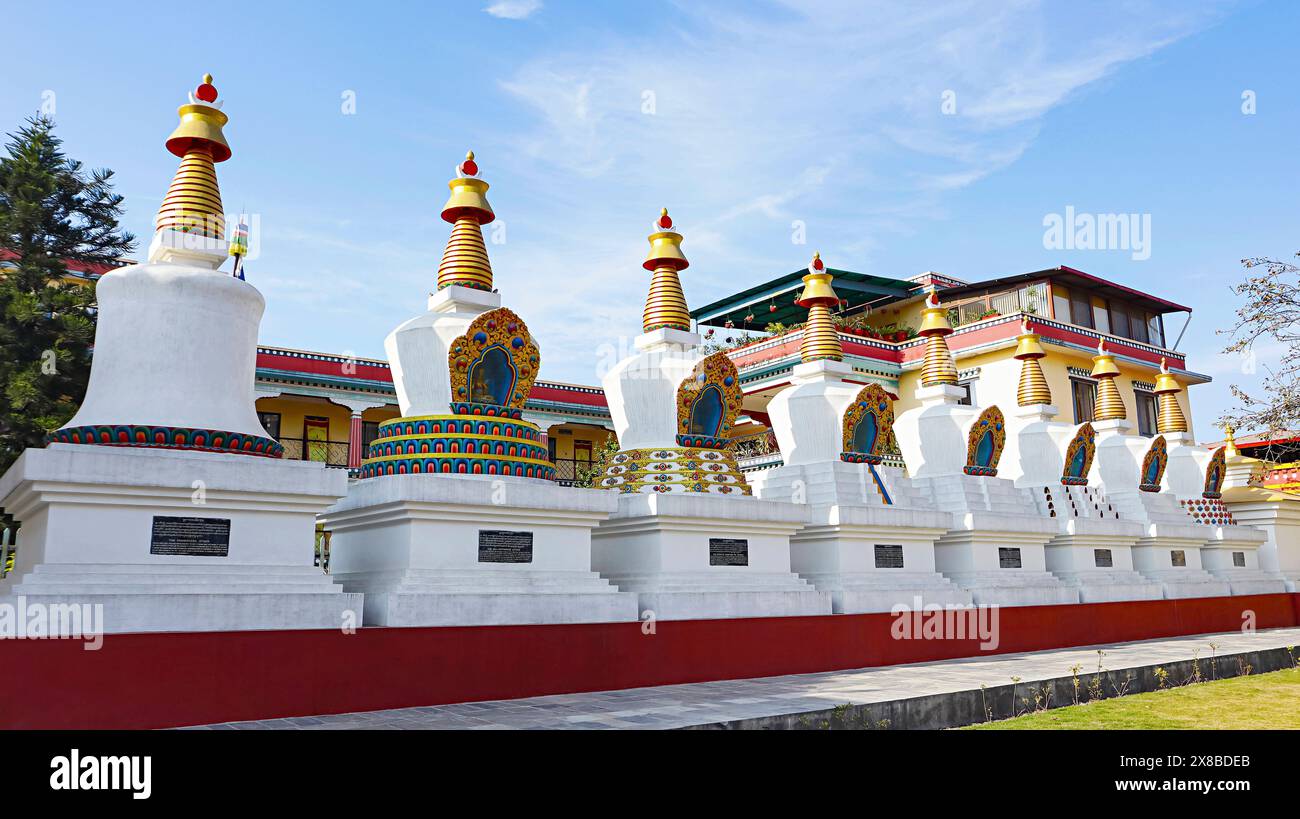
1258	701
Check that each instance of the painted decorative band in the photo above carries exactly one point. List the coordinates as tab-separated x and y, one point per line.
143	436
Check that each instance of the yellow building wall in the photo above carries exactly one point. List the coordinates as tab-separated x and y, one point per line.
1000	377
564	436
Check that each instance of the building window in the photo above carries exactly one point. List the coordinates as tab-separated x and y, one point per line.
1100	315
1060	303
1081	309
1146	412
369	432
1137	325
1118	320
967	387
270	423
1084	394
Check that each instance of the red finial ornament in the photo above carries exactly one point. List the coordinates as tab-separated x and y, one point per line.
665	222
469	167
817	264
206	92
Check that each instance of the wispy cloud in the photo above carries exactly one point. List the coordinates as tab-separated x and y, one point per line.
514	9
747	121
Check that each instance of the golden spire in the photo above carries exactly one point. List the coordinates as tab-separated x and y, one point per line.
193	202
665	306
939	367
1170	416
1033	386
1110	407
820	338
1230	442
465	261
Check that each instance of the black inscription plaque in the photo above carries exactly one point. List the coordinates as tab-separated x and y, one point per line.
1177	557
889	557
195	537
1103	558
726	551
1009	558
501	546
1239	559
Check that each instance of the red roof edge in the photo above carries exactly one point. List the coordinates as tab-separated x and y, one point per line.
1099	280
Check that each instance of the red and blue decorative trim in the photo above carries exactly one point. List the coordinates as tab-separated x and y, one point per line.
156	437
453	465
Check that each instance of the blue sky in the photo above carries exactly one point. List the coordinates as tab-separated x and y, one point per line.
763	113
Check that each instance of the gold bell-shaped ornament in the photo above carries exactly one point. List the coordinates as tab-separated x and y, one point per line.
468	194
201	124
665	246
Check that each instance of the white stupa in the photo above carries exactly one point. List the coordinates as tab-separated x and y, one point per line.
163	498
687	536
994	546
870	539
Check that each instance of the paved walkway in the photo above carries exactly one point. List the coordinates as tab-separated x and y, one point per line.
754	700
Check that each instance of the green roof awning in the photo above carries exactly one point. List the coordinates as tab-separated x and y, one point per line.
858	288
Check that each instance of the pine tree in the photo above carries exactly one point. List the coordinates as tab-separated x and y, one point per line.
52	211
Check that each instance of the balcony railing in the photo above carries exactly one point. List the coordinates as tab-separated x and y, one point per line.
569	470
330	453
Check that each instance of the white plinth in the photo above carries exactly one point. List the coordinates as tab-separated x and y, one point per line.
988	515
836	552
1072	556
1153	558
1233	545
411	544
87	515
658	547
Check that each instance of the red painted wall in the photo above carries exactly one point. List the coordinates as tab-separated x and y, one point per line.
158	680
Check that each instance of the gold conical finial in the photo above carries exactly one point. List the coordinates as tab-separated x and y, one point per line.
938	367
1170	416
1230	449
665	306
193	201
1033	387
821	341
1110	407
465	260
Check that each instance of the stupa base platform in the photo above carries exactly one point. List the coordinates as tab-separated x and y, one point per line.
1250	581
1097	559
1180	584
698	556
442	550
999	558
1014	587
173	540
887	590
1111	585
488	597
721	594
873	558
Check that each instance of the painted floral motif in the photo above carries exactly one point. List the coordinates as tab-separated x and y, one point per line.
1078	456
675	470
493	365
984	443
707	404
1153	465
1214	472
868	423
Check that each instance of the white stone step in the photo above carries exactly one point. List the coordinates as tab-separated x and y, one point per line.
153	587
